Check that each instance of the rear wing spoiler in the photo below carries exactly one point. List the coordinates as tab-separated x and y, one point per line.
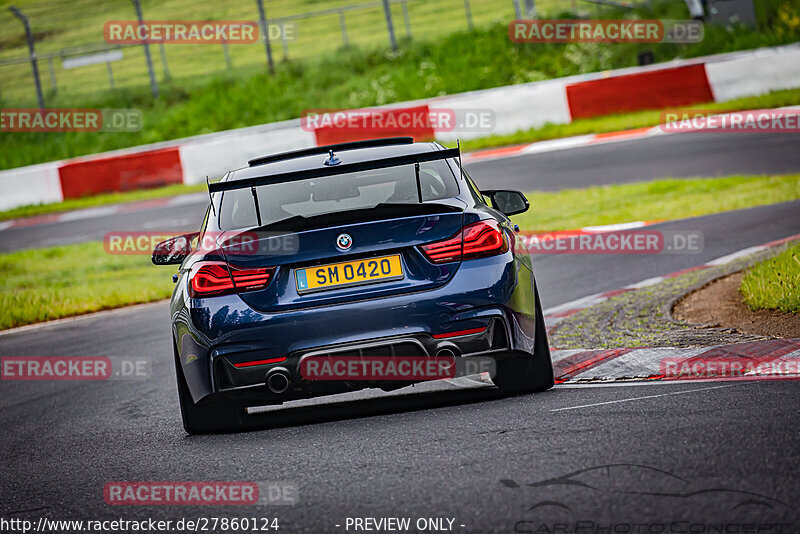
396	161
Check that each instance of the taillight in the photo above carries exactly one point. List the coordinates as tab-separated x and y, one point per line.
444	251
212	279
477	240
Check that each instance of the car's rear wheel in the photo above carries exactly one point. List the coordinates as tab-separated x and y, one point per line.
208	416
531	373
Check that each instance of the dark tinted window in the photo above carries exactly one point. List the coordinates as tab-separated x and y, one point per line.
319	196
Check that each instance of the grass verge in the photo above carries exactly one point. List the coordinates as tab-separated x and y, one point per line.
774	284
100	200
50	283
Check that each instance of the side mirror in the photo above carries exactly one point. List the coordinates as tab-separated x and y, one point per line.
508	201
174	250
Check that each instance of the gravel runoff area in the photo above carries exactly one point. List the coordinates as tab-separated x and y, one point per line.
644	317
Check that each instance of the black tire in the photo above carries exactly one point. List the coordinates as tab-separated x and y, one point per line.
531	373
208	416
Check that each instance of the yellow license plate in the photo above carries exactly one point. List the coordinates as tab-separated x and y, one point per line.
349	273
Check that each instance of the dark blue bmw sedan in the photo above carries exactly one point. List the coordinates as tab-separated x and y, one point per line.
371	249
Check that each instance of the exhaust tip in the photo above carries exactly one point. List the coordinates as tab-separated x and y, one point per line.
278	381
447	352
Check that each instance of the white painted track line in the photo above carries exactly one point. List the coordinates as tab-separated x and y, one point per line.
642	398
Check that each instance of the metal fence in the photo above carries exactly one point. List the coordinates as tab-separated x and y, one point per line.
73	60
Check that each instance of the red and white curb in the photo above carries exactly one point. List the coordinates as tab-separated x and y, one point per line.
553	145
579	141
556	314
772	359
104	211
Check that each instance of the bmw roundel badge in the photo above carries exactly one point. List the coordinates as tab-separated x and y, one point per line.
344	242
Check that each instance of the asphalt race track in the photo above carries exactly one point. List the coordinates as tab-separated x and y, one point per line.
626	454
682	155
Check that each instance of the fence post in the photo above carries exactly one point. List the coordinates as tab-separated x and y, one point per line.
343	26
264	28
164	61
406	19
52	75
153	83
110	74
468	11
284	44
387	12
227	53
31	54
530	9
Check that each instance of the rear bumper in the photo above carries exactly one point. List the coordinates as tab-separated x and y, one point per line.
250	382
217	338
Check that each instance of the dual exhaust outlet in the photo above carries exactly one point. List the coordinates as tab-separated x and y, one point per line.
278	380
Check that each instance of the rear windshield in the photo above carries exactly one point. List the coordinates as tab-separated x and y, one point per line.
330	194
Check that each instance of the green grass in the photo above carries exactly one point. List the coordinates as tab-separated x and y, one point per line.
315	35
432	64
774	284
656	200
100	200
45	284
628	121
50	283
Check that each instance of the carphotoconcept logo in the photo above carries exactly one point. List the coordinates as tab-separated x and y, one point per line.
70	120
605	31
575	502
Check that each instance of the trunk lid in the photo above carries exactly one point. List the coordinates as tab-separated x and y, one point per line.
300	248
